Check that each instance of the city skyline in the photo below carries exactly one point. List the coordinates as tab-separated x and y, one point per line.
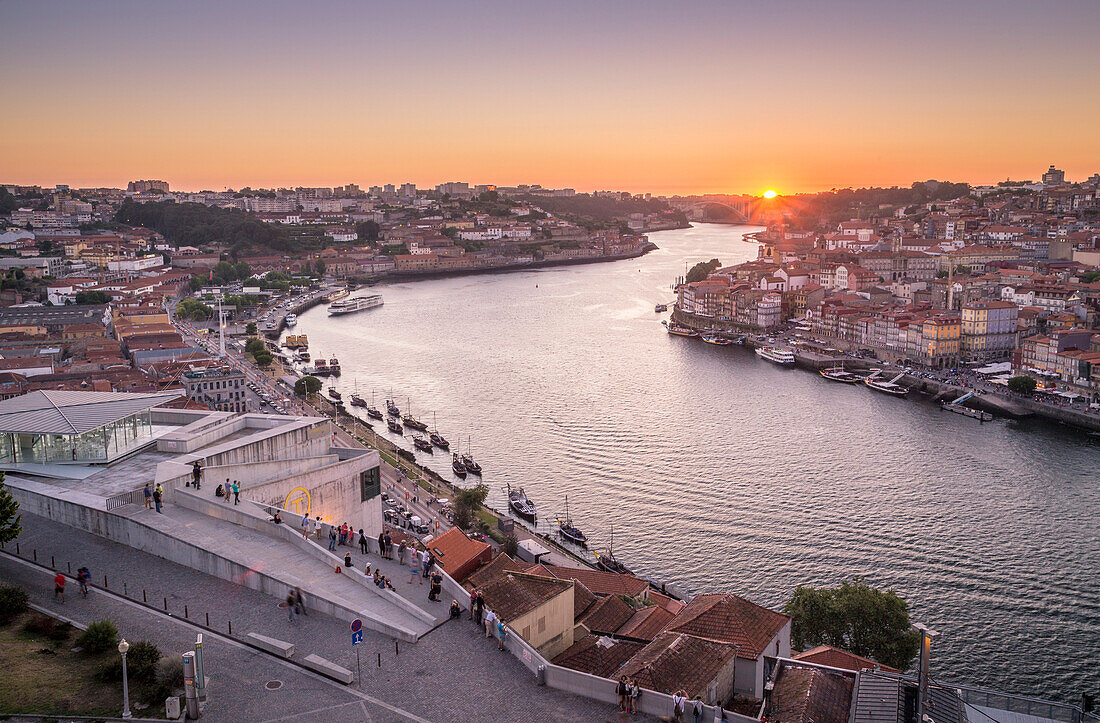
709	97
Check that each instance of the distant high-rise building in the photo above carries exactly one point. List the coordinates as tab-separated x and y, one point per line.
1054	177
454	188
389	190
144	186
408	190
376	190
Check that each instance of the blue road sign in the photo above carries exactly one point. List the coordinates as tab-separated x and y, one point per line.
357	637
356	625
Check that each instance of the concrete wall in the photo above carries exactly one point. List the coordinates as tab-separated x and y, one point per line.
250	475
138	535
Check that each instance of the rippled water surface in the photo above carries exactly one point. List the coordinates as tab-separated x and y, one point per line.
723	472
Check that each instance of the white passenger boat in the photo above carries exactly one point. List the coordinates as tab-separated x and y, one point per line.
783	357
354	304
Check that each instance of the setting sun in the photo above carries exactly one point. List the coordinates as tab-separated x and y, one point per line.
770	193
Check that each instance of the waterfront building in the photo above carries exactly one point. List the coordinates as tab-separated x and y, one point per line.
988	330
539	609
220	388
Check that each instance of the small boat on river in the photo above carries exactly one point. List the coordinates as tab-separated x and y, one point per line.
568	530
438	439
457	467
886	387
678	330
839	374
520	504
395	426
607	562
467	459
423	445
717	340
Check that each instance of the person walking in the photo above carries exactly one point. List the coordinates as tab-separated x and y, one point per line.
697	709
236	492
332	539
305	527
401	553
228	489
83	575
362	542
301	601
679	701
59	587
291	604
157	498
148	497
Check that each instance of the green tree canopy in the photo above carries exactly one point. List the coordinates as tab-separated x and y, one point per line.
702	270
854	617
307	386
194	310
92	297
1022	384
466	504
250	329
9	514
368	231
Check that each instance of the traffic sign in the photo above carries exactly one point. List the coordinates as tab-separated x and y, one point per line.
356	625
357	637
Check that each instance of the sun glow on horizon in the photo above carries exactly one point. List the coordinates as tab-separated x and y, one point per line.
770	193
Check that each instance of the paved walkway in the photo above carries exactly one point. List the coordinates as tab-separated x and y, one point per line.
276	558
452	674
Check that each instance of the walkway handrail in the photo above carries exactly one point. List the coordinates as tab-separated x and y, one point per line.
126	498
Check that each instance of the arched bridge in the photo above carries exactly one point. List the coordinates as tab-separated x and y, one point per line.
704	210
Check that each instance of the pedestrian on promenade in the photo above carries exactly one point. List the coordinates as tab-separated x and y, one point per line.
157	498
635	691
83	575
623	691
196	474
301	601
429	563
317	526
473	604
362	542
401	553
228	489
381	544
236	492
389	546
148	497
436	587
291	603
479	608
502	634
414	567
347	559
59	587
679	701
305	527
456	611
332	539
490	623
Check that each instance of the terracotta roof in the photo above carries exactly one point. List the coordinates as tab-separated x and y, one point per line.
607	615
810	695
668	603
597	655
674	661
454	551
500	565
583	599
515	593
837	658
730	619
600	582
646	623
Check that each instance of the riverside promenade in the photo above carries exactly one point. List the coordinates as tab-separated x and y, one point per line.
453	673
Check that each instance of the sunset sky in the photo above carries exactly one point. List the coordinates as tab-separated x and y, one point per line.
670	97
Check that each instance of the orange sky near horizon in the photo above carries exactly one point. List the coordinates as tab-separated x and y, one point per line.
649	97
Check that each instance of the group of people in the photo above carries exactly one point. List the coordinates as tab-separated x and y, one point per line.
229	488
680	704
154	495
83	576
628	692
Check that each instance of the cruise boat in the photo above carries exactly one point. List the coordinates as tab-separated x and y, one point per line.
457	467
679	330
291	319
783	357
354	304
337	295
296	341
717	340
660	307
890	387
520	504
334	366
838	374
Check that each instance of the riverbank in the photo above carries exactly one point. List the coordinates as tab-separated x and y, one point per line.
937	389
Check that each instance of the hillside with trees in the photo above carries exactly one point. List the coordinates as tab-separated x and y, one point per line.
193	224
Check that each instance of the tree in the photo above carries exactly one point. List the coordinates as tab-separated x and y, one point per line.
368	231
92	297
9	514
466	504
319	265
1022	384
193	309
254	346
263	358
702	270
307	386
250	328
7	201
854	617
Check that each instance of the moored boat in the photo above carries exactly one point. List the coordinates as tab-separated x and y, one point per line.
291	319
395	426
358	303
607	562
568	530
717	340
320	368
334	366
467	459
678	330
776	355
372	411
839	374
438	439
333	393
392	409
457	467
521	504
412	422
660	307
887	387
423	445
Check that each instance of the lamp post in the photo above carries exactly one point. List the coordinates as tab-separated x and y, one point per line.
123	646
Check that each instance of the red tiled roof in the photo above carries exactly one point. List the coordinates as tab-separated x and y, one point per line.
457	554
607	615
837	658
731	619
810	695
599	656
500	565
600	582
646	623
674	661
515	593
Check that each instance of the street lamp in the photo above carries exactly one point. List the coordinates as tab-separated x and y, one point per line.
123	646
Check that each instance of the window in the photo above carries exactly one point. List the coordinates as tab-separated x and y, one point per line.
542	624
370	483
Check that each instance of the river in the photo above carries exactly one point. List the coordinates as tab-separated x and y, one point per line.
722	472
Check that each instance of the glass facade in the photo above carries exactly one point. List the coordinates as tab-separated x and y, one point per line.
97	445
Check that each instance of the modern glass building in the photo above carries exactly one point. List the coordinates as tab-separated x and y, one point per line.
58	427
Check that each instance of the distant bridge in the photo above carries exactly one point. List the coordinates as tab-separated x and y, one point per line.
698	210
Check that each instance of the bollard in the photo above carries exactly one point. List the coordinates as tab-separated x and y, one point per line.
185	615
396	648
104	582
17	547
200	671
380	660
230	627
144	599
165	604
208	620
35	551
52	563
125	589
70	567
